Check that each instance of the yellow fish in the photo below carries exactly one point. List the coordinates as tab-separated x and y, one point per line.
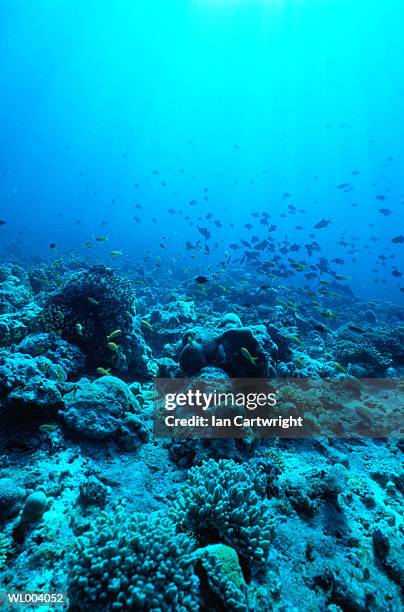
298	266
116	252
113	347
146	325
92	301
48	427
114	334
295	339
340	368
246	353
328	314
102	238
79	329
103	371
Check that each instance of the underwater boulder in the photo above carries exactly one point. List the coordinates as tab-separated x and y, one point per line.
30	388
230	319
16	325
184	311
242	355
11	495
101	410
203	349
212	373
221	577
192	357
14	294
168	368
54	348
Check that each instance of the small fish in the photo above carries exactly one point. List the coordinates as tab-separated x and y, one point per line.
320	328
103	371
298	266
246	353
322	223
48	427
356	329
113	347
328	314
340	368
2	222
114	334
295	339
341	277
116	253
52	245
146	325
201	279
92	301
79	329
101	238
298	361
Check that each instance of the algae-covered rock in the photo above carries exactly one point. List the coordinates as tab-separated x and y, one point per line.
192	357
11	495
100	410
220	565
30	388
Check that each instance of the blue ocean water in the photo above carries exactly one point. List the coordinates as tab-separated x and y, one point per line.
230	103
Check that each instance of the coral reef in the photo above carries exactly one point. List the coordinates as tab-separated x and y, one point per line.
222	502
136	563
92	504
105	409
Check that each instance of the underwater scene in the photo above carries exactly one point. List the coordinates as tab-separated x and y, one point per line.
201	207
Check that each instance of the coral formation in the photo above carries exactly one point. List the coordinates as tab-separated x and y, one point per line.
133	563
223	502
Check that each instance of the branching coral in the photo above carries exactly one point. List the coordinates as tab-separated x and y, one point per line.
134	563
223	502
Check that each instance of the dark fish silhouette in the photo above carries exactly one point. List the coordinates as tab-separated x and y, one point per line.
322	223
398	239
201	279
385	211
205	232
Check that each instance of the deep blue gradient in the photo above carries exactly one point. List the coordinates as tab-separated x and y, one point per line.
108	104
